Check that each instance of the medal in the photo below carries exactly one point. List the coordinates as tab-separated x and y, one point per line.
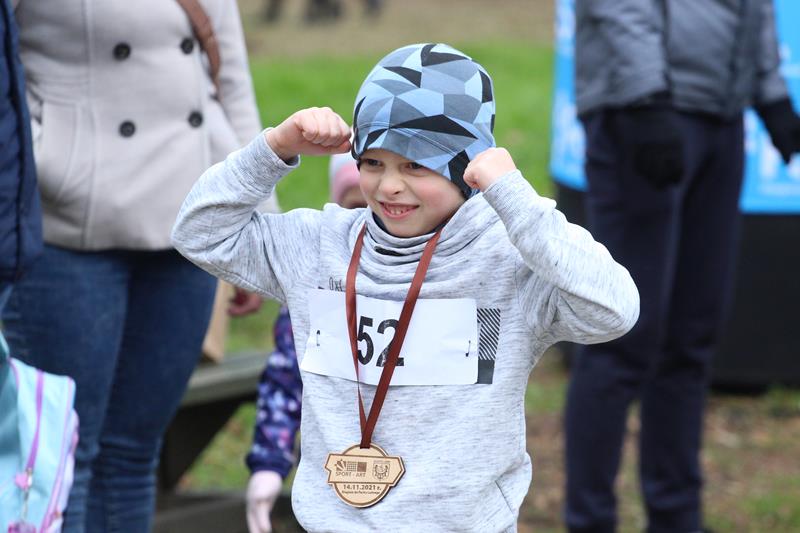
362	477
363	474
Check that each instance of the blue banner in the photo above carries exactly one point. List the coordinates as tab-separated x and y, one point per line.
770	187
567	140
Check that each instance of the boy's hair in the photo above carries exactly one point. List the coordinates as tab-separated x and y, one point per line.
429	103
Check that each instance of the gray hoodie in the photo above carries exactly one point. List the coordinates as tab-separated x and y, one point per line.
535	278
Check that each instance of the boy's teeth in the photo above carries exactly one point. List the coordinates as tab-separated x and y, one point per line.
395	210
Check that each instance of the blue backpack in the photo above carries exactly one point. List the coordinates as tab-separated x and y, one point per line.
38	435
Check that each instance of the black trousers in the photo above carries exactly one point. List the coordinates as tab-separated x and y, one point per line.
679	244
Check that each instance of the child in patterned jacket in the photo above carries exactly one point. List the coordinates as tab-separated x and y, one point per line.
280	388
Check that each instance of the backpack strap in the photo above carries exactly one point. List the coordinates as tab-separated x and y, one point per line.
204	33
24	479
25	485
4	351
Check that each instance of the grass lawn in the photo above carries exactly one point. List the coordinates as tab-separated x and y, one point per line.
752	453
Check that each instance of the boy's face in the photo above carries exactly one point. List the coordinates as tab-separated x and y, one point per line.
410	199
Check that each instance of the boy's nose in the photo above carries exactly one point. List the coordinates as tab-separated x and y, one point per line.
391	184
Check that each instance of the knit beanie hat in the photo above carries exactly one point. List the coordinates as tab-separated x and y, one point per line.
429	103
343	174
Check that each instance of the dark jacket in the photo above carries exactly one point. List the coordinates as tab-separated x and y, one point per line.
714	56
20	212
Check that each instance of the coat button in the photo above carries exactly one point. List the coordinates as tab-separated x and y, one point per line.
195	119
122	51
127	128
187	45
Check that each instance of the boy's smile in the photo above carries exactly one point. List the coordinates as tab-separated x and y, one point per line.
409	199
397	211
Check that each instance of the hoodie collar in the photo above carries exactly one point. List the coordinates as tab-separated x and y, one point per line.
473	218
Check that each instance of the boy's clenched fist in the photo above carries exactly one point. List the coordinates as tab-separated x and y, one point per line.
488	167
312	131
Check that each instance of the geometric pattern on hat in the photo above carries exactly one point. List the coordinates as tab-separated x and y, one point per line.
429	103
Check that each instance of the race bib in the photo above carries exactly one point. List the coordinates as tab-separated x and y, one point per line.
440	348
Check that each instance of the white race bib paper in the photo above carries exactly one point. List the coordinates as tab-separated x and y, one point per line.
440	348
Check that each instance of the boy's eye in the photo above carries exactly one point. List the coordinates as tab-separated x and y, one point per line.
415	166
370	162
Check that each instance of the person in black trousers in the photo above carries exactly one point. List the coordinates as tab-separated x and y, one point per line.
661	87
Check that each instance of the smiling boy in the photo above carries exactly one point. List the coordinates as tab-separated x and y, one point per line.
505	276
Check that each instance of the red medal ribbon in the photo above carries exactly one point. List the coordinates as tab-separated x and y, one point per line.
368	422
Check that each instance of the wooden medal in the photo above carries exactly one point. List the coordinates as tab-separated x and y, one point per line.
361	477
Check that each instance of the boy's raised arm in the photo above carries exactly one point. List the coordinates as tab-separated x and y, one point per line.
570	288
219	229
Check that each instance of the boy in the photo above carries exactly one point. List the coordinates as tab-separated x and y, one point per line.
509	277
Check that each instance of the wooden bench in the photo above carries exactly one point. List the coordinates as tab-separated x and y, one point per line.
214	394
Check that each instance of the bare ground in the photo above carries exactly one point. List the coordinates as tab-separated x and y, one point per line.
401	22
751	461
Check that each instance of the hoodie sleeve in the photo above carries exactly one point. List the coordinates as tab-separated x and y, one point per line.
219	229
569	286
